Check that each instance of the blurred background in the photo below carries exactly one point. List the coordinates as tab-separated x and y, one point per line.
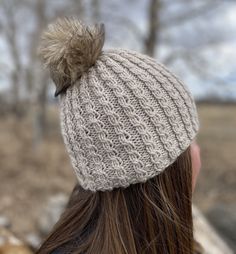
195	38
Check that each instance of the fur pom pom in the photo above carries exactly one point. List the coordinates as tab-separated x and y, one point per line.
69	48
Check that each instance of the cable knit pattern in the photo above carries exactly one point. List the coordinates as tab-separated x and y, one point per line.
124	116
125	120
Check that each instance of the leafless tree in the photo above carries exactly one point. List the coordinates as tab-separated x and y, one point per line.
9	29
160	20
151	40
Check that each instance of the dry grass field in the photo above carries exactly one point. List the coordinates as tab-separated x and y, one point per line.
217	139
216	189
29	176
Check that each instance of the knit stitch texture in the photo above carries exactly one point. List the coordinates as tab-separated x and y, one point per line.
125	120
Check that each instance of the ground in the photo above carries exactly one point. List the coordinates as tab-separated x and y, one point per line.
29	174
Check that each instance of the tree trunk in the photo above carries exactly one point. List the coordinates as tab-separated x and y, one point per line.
153	28
40	112
39	82
11	36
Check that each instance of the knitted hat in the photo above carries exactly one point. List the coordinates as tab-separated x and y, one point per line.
124	116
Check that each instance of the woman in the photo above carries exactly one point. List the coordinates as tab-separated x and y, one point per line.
129	126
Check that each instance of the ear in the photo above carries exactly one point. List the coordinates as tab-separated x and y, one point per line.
196	162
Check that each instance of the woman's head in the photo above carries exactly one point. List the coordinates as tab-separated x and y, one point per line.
151	217
128	124
124	116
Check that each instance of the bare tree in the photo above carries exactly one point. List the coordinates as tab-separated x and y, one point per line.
9	28
161	20
40	96
151	40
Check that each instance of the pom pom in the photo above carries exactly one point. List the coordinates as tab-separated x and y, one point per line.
69	48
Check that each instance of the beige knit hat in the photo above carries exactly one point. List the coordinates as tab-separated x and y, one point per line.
124	116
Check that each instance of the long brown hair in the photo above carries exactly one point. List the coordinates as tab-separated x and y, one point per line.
151	217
